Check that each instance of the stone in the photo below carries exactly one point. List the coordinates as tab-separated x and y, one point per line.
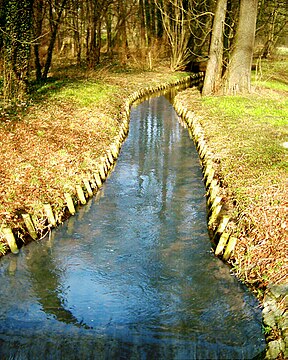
278	290
283	322
274	349
269	319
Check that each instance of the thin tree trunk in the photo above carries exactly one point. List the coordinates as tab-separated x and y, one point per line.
142	25
53	40
213	74
108	22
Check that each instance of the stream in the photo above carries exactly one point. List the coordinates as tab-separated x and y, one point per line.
132	275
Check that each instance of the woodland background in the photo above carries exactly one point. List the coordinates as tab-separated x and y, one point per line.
141	33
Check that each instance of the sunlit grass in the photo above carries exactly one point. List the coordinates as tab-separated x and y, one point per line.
253	130
86	94
259	108
248	133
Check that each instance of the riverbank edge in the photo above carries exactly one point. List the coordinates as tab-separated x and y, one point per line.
223	240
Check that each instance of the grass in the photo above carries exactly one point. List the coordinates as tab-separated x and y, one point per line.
246	135
80	93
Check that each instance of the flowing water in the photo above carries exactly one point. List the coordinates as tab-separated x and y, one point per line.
131	275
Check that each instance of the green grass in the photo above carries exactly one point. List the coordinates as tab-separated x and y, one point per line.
86	93
82	93
248	133
254	107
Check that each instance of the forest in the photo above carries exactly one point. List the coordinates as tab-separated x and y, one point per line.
35	34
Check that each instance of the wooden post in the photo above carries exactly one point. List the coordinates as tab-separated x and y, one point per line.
9	236
102	172
88	187
214	214
213	191
114	151
230	248
108	164
80	194
210	177
49	213
223	223
30	226
110	157
98	180
221	244
92	182
216	202
208	168
70	203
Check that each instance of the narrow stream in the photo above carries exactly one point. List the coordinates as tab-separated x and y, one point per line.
131	275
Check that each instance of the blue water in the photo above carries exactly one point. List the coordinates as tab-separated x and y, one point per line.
131	275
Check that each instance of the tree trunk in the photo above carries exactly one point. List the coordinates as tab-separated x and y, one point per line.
17	41
108	22
123	48
55	27
238	76
39	10
213	74
142	38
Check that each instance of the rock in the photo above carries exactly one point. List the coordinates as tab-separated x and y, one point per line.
269	318
275	348
278	290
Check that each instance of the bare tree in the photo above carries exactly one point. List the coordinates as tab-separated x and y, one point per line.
176	23
54	10
271	24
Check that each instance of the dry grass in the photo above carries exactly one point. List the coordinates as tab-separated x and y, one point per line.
246	135
59	139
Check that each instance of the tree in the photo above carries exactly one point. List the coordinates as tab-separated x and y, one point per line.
54	9
175	19
271	24
17	33
237	78
212	81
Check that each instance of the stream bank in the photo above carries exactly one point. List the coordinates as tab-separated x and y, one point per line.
273	294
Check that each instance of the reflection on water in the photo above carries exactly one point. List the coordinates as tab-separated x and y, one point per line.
131	275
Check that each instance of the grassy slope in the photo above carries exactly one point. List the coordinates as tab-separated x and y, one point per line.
247	134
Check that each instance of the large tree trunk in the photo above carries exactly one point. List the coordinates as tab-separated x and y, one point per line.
213	74
238	76
17	41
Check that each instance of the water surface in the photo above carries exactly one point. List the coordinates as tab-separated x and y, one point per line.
131	275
